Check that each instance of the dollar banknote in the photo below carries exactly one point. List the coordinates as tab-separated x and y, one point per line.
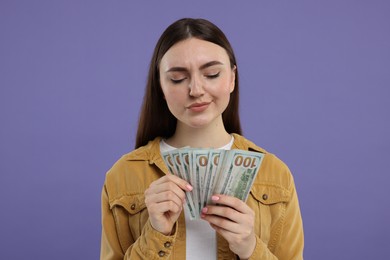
176	167
213	171
238	172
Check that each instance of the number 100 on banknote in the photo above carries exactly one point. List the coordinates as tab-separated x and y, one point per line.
213	171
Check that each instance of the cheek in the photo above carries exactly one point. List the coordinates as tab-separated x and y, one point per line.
170	101
224	88
173	97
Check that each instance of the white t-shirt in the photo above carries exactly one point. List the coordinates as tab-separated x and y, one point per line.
201	240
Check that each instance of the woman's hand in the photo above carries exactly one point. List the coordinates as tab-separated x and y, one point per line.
234	220
164	200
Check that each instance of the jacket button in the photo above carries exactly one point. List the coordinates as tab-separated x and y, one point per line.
265	196
161	253
132	206
167	244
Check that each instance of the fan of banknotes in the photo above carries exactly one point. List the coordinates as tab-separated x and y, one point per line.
213	171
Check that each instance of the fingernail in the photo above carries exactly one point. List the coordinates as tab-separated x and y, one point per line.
204	210
189	187
214	198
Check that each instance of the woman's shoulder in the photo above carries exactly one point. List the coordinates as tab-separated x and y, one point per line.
273	171
140	155
131	172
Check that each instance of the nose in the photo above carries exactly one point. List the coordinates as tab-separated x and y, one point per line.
196	87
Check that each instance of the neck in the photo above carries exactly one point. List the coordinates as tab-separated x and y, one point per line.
212	136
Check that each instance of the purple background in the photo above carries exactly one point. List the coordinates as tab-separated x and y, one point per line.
315	81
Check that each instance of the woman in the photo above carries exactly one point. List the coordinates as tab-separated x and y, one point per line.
191	99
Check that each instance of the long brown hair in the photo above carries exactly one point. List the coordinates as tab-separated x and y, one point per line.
155	118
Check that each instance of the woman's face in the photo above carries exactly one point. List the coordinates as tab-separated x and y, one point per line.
196	79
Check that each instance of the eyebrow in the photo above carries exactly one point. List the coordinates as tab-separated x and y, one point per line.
206	65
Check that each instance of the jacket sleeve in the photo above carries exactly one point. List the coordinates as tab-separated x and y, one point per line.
150	245
291	241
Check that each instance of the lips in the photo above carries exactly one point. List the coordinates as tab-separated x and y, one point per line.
199	107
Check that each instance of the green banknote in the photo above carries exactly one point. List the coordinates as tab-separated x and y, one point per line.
213	171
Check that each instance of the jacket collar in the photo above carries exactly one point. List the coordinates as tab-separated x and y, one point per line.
150	152
242	143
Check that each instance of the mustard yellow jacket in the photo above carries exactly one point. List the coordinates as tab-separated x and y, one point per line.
128	234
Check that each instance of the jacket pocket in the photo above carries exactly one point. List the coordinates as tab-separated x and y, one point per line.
133	204
269	203
130	216
269	194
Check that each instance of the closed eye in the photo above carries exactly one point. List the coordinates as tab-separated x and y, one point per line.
177	81
212	76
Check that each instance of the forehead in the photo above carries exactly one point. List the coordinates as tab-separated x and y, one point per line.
193	52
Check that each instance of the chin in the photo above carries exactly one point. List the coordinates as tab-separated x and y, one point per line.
198	124
200	121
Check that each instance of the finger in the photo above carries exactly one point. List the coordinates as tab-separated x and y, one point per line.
223	212
164	187
166	206
225	233
232	202
184	185
222	223
165	196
